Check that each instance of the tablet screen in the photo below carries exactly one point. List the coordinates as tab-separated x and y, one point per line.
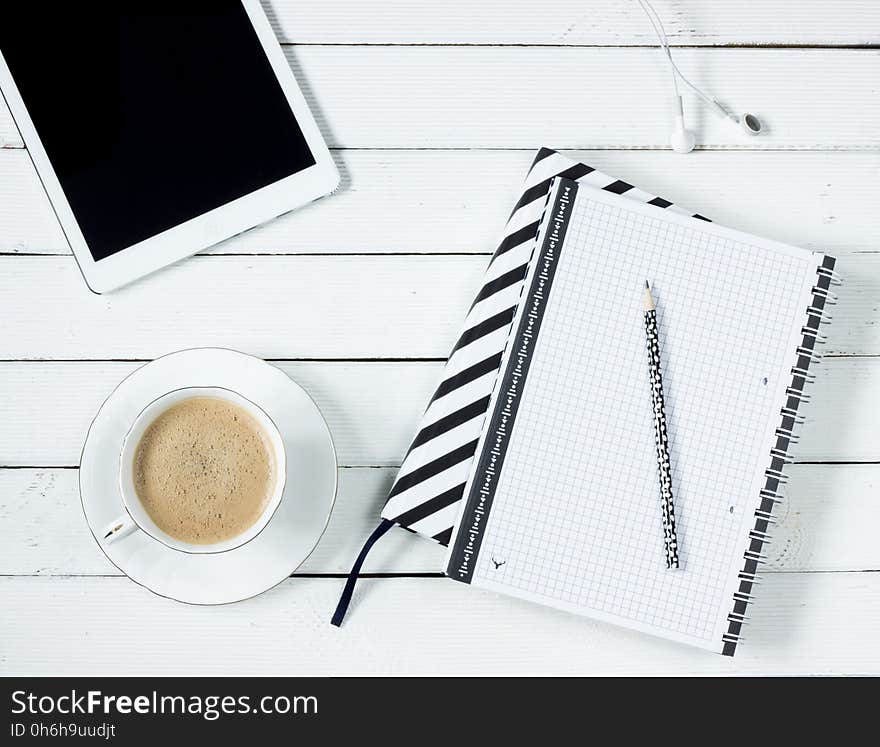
151	113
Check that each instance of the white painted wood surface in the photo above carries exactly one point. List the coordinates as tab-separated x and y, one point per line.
504	97
297	307
373	408
826	198
828	523
415	626
574	22
359	298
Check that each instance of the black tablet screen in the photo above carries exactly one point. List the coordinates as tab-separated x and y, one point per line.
151	113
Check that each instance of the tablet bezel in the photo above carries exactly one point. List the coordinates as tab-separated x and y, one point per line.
193	235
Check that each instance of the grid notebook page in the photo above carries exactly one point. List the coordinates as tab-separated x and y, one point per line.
574	517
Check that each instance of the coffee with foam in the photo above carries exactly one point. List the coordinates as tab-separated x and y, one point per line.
204	470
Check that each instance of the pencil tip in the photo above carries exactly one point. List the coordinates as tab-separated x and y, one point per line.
647	285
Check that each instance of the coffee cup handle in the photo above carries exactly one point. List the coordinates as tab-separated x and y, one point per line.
120	527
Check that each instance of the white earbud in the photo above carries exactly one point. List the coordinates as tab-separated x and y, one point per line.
683	139
750	123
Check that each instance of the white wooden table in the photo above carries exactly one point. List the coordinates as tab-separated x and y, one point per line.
434	113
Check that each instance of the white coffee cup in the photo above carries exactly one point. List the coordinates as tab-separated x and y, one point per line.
136	517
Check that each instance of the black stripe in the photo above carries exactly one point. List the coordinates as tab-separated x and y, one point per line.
444	537
531	194
501	282
541	155
660	202
541	189
453	420
496	321
578	171
434	467
701	217
432	506
467	375
518	237
618	187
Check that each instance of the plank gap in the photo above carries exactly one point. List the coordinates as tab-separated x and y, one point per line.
588	45
416	574
744	148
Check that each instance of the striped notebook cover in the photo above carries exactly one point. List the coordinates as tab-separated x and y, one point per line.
430	485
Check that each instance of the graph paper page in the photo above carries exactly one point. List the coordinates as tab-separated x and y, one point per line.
575	520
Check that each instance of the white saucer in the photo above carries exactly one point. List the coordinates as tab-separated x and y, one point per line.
294	529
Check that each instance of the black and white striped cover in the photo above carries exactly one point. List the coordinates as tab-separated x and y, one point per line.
425	496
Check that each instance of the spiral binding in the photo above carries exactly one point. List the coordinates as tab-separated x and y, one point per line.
817	314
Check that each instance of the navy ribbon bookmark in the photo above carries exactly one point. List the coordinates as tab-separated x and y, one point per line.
345	598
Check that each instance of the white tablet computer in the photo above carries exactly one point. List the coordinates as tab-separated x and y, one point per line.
158	128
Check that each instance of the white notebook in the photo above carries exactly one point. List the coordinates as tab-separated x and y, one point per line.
562	503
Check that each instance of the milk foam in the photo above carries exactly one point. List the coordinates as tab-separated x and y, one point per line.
204	470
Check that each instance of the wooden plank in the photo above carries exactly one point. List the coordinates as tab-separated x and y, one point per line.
373	408
826	523
572	22
296	307
491	97
844	401
417	201
275	307
821	623
855	329
45	533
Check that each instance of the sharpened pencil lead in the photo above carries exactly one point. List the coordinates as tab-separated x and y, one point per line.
649	298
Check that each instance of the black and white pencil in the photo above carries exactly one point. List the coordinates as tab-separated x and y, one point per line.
661	439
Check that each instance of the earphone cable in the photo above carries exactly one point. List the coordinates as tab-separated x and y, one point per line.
660	32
